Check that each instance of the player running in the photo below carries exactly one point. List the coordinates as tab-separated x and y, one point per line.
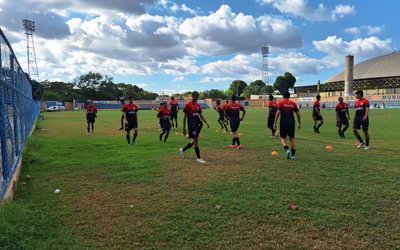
194	117
221	119
164	114
131	110
232	111
174	112
361	119
273	107
317	115
342	116
286	108
91	115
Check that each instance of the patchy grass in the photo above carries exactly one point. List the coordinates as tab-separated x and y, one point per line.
117	196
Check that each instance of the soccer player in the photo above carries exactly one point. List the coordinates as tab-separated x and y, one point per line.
194	117
164	114
232	111
174	112
286	108
342	116
122	116
361	119
317	115
221	111
91	116
273	107
130	109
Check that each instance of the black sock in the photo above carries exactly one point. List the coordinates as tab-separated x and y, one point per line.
128	138
238	141
315	128
344	129
166	136
286	148
220	123
225	127
134	137
273	132
161	135
187	147
367	141
360	139
293	152
319	125
340	132
92	128
88	129
233	141
122	124
197	149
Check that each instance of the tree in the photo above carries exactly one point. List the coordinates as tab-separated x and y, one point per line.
257	87
213	93
237	87
284	83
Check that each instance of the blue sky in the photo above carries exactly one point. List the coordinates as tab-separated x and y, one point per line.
175	46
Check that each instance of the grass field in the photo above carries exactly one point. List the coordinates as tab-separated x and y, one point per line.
116	196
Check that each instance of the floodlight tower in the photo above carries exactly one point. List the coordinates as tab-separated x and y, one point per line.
29	28
265	53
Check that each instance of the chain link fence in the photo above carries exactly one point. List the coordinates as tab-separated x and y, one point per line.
18	112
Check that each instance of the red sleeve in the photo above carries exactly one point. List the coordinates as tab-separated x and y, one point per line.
337	107
124	108
185	109
136	107
366	103
280	105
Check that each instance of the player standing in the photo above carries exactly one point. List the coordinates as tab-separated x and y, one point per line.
131	110
232	111
221	119
361	119
273	107
164	114
342	116
317	115
91	116
174	112
194	117
286	108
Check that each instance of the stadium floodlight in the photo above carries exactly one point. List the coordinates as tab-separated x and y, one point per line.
29	26
265	53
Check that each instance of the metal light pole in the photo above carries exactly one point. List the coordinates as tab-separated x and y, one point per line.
29	28
265	53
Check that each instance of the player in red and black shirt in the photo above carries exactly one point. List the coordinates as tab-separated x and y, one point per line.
317	115
174	112
272	107
232	111
194	116
164	114
286	110
361	119
221	119
91	116
130	109
342	116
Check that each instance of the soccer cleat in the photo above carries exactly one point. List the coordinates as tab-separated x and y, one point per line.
239	147
294	157
287	154
181	153
200	160
232	146
366	147
133	143
361	145
88	133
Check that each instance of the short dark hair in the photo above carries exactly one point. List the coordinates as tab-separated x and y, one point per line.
286	95
318	96
360	92
340	98
172	98
195	93
218	101
233	98
130	97
271	97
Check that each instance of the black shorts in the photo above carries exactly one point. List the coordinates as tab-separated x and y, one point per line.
91	119
358	124
221	117
165	125
131	125
194	128
317	117
342	121
234	124
174	115
287	129
271	120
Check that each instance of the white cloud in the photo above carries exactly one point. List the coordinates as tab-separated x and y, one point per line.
300	8
209	79
179	78
187	9
365	29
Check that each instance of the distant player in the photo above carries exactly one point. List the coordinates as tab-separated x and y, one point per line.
123	115
317	115
194	117
174	112
342	116
164	114
221	112
232	111
130	109
91	115
272	107
361	120
286	108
